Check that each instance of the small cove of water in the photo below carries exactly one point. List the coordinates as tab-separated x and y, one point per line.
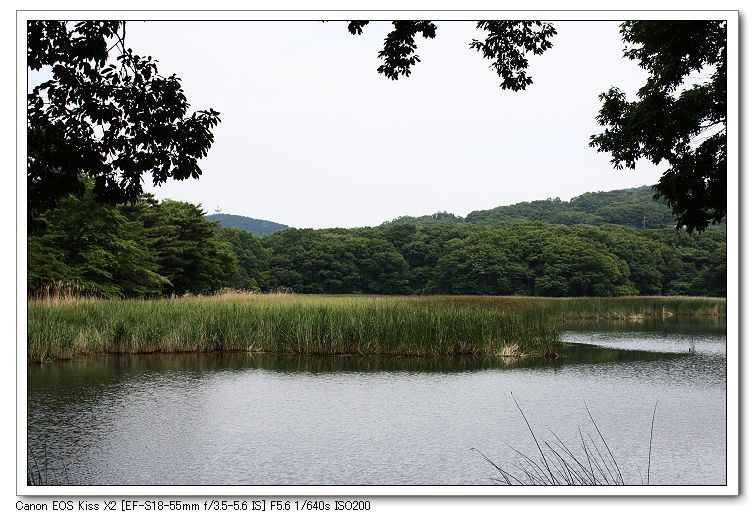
250	419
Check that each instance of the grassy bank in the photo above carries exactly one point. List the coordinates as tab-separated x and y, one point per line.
326	325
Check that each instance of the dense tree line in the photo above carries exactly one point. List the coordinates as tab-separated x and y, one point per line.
529	258
152	249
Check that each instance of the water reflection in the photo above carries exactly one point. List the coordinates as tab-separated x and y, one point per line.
664	326
108	369
240	418
705	336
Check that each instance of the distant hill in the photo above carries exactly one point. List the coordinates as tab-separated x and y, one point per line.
633	207
255	226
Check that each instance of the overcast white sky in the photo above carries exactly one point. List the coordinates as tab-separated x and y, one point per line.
312	136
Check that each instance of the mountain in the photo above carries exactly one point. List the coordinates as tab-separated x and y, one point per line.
255	226
633	207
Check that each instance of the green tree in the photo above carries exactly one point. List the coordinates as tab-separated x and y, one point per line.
187	250
688	258
630	207
287	249
571	267
527	258
683	126
251	257
106	114
382	269
424	252
329	264
643	256
94	247
712	279
484	261
419	248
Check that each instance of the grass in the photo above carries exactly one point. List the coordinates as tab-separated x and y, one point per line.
637	307
325	325
592	464
63	327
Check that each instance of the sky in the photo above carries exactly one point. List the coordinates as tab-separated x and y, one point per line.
312	136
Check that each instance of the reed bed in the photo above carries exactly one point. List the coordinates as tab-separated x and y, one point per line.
576	308
284	323
637	307
65	326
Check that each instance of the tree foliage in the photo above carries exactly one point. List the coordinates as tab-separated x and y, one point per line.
186	248
105	113
399	54
506	43
93	248
684	126
138	249
252	258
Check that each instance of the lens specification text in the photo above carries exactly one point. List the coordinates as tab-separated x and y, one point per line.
188	506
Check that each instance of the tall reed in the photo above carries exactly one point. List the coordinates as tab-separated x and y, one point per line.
637	307
592	463
366	325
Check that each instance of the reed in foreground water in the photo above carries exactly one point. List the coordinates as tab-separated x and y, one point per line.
592	463
60	328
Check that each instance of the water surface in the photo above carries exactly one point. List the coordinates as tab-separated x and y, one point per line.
255	419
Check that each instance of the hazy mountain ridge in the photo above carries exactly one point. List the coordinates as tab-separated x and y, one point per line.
257	227
632	207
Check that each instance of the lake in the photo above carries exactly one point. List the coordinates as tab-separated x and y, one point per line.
264	419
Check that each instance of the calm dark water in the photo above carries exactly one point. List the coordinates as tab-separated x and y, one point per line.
228	419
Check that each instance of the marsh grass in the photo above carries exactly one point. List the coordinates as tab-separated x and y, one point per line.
617	308
327	325
592	463
637	307
62	291
63	327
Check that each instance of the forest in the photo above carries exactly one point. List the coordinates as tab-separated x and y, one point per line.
154	249
635	207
